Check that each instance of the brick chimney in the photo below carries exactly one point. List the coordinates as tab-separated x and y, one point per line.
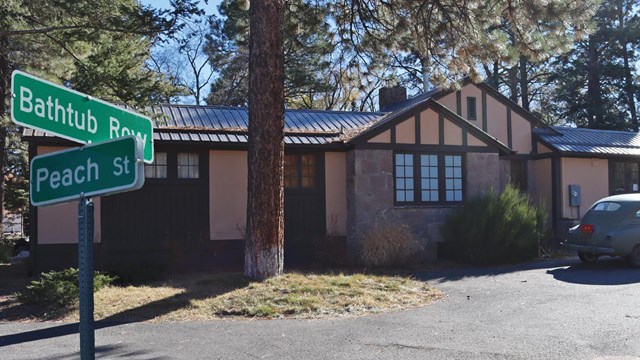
388	96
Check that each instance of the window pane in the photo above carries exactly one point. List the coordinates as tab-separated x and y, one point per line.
429	177
449	195
453	178
188	166
404	178
308	170
158	169
290	171
408	159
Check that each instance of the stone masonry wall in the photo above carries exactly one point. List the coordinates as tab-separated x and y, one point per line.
370	197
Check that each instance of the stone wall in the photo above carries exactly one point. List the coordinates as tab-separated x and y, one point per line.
370	198
484	172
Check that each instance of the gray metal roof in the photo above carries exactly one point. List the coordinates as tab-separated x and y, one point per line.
591	141
223	124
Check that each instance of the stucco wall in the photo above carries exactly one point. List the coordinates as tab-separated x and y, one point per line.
429	127
497	120
593	177
452	133
336	192
406	132
58	224
227	194
520	134
472	90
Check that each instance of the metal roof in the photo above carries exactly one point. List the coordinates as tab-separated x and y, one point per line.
224	124
591	141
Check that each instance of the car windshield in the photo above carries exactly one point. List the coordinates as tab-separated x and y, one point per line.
607	206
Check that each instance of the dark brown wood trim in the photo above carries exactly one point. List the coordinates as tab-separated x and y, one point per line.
417	129
393	133
556	192
459	103
509	128
484	110
33	223
441	129
441	179
464	136
430	148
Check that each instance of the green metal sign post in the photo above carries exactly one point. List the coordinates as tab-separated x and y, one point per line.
92	170
42	105
85	265
120	141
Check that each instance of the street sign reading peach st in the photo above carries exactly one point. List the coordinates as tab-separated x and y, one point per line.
72	115
93	170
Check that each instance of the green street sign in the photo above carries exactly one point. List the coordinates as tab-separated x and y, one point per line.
93	170
72	115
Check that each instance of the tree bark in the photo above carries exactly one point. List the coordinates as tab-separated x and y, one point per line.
264	252
5	75
524	83
594	111
629	90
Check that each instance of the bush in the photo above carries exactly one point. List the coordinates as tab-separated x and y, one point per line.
493	229
389	243
59	289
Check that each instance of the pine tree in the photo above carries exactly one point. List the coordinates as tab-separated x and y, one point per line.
99	47
593	83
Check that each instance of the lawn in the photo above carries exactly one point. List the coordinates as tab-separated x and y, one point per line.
231	295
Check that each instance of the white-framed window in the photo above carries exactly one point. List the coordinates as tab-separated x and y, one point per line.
439	179
157	169
188	166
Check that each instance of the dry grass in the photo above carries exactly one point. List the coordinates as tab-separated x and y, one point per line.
293	295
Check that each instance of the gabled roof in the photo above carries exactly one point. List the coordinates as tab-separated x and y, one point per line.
580	141
419	104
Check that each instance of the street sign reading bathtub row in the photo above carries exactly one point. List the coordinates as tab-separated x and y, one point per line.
41	105
119	141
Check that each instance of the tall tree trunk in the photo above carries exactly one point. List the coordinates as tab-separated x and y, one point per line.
594	111
493	76
5	75
513	83
628	85
524	83
264	251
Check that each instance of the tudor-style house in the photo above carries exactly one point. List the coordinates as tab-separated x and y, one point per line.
416	158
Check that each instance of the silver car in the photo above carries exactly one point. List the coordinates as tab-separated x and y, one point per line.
610	227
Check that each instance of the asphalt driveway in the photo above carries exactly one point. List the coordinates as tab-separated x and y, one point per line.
555	309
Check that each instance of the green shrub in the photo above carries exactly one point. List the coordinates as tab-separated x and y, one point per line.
493	229
389	243
59	289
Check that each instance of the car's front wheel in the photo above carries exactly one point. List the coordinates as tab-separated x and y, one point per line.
634	257
587	258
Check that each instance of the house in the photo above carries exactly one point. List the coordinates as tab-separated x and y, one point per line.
417	159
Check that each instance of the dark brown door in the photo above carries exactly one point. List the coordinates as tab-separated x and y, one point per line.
304	205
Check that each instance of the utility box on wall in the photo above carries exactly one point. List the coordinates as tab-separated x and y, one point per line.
574	195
